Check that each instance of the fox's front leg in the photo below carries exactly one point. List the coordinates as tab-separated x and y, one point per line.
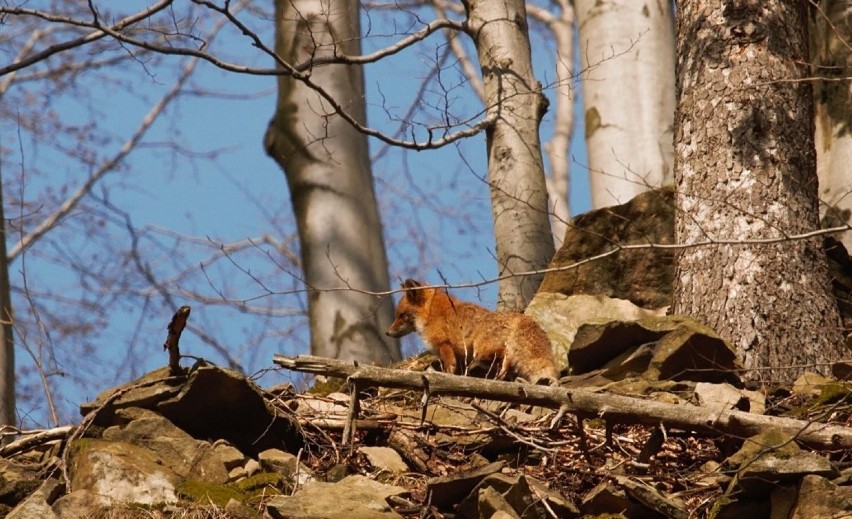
448	357
504	369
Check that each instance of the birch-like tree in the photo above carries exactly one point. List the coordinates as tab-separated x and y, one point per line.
747	188
627	57
515	104
831	52
327	166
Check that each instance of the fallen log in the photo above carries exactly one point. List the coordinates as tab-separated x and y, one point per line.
582	402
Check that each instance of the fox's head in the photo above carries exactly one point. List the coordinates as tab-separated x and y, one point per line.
410	307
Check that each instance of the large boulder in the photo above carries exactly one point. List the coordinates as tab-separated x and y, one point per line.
643	276
118	472
188	457
210	403
562	316
353	497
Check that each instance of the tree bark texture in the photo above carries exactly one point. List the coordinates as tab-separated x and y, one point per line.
831	34
745	170
515	172
627	57
328	171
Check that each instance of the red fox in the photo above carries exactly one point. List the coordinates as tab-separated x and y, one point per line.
456	329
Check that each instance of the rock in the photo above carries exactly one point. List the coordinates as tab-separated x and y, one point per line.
237	510
16	490
561	316
660	348
79	503
773	458
819	497
287	465
13	471
810	385
353	497
490	502
740	507
782	500
445	491
693	351
37	505
228	455
528	497
843	370
599	341
210	403
606	498
770	469
188	457
643	276
469	506
118	472
653	499
252	467
237	473
384	459
725	397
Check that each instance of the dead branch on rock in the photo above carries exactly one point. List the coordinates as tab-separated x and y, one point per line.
173	339
584	403
31	439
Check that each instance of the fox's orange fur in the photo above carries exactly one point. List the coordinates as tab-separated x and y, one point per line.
455	330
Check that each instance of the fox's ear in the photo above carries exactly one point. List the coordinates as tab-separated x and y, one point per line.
410	283
415	296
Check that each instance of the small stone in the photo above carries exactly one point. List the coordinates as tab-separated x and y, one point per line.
252	467
384	459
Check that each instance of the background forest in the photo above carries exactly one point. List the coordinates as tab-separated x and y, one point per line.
142	146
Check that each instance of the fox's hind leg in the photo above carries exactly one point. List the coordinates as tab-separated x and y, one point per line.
504	369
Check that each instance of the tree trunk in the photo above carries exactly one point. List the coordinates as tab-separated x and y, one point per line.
328	171
559	147
627	58
831	54
745	170
7	342
515	171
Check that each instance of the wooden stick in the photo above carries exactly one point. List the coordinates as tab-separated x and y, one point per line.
615	408
29	440
175	329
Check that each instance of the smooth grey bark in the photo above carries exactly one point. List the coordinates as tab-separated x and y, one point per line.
831	55
515	171
627	58
327	167
561	25
745	170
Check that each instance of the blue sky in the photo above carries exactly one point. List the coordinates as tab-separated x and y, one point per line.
238	193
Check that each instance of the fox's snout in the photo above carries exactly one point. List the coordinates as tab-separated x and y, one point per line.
398	329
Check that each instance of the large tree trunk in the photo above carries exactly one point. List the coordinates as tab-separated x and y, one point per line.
7	343
627	55
328	170
515	171
745	170
832	59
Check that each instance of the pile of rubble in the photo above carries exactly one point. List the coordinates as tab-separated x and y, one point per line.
212	444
